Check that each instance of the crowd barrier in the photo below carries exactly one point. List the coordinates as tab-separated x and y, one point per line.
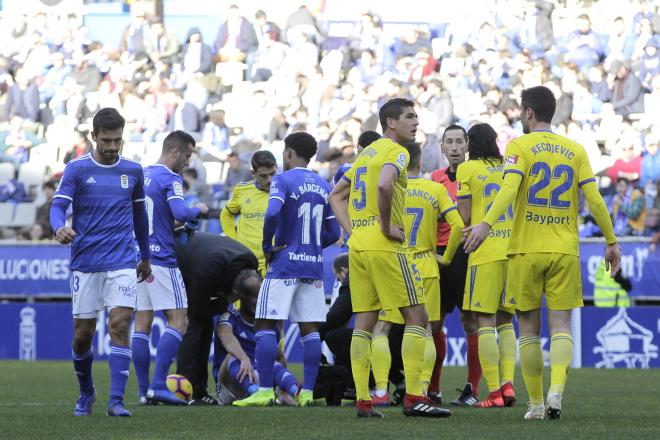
603	338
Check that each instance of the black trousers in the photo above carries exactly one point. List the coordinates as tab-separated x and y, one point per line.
192	360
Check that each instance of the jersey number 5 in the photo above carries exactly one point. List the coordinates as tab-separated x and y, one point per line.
361	186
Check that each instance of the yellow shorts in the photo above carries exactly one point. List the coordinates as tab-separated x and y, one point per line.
432	295
529	276
383	280
485	288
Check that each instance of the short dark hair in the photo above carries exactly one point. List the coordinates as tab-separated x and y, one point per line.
393	109
263	158
107	119
191	172
454	127
415	151
482	143
241	285
541	100
341	261
49	184
367	138
302	143
177	138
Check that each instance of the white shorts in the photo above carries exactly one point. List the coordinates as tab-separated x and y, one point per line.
163	290
91	291
296	299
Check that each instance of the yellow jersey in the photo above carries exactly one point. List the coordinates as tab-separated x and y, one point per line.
552	168
480	181
363	197
425	202
249	203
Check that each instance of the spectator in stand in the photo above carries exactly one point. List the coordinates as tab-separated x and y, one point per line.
54	77
161	44
642	33
16	141
85	74
43	211
22	98
628	209
196	55
650	62
135	35
81	145
627	92
186	116
236	37
583	46
650	169
537	33
238	172
629	165
264	27
215	138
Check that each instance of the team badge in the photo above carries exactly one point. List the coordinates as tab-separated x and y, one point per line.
401	160
178	189
124	181
150	278
511	160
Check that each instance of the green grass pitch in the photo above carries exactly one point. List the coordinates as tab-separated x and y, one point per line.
37	401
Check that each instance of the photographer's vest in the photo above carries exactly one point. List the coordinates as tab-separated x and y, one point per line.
607	292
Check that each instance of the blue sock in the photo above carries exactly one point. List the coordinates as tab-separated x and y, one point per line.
246	385
311	359
82	363
119	362
167	348
265	355
285	379
141	359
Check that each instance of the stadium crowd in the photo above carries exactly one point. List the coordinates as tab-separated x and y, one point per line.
259	81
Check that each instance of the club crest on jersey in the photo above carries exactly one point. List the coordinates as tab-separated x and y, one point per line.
178	189
511	160
401	160
124	181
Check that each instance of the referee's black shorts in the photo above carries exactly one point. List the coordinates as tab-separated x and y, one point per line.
452	281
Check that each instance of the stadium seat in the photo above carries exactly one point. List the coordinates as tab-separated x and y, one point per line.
7	171
32	174
24	215
6	213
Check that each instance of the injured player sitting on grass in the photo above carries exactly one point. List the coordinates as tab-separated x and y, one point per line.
238	378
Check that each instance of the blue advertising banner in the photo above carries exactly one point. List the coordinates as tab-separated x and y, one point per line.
43	270
638	264
34	270
603	338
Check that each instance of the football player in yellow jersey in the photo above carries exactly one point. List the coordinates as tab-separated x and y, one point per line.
479	180
426	202
542	174
368	202
249	201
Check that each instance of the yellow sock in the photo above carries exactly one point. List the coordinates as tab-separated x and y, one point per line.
381	360
428	364
489	358
506	339
361	362
561	354
531	363
412	352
